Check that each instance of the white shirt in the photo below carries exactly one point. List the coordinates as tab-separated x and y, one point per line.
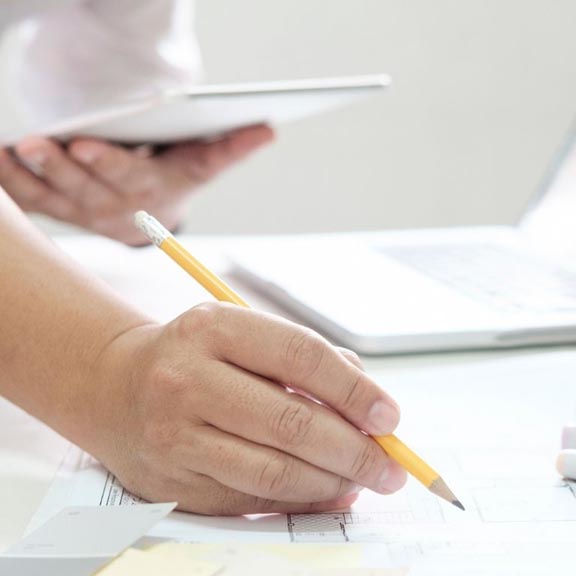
66	57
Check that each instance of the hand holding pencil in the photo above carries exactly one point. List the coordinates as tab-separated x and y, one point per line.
357	389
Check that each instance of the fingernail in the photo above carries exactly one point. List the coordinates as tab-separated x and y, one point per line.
36	157
33	160
383	418
383	482
355	489
85	155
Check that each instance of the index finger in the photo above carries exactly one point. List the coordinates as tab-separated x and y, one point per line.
301	359
122	170
201	160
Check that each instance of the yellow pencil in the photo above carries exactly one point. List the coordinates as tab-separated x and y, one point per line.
393	446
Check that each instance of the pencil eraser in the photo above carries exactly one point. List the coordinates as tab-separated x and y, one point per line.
566	464
140	218
569	436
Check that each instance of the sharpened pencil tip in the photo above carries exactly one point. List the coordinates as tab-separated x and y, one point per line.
439	488
459	504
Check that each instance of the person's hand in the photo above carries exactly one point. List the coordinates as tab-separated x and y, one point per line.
231	411
99	186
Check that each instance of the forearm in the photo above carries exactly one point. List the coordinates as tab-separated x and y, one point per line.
55	321
196	411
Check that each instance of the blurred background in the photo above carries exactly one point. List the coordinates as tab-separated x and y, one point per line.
484	92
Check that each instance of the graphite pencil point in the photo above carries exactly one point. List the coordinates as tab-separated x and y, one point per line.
458	504
440	488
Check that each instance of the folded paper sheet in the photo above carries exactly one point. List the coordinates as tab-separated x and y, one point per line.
79	540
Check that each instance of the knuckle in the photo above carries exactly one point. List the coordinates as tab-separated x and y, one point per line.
104	162
53	158
95	218
61	210
64	211
13	176
108	212
151	186
112	165
304	354
351	356
365	462
353	394
211	322
80	180
98	200
277	477
168	384
227	502
203	166
7	170
160	437
343	488
27	199
263	505
292	423
202	319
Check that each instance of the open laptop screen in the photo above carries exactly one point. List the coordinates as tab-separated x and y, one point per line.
551	220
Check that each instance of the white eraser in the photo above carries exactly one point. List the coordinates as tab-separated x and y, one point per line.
566	464
569	437
151	227
139	218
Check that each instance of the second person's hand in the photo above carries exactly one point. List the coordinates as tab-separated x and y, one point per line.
98	185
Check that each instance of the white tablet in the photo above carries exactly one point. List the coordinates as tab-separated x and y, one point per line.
209	110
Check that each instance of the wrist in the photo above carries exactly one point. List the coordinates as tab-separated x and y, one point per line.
107	402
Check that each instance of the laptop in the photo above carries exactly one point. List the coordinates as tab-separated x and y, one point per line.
434	290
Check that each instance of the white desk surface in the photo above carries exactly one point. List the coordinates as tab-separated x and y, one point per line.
30	453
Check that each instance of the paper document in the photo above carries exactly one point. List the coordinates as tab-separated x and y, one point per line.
531	559
489	484
501	468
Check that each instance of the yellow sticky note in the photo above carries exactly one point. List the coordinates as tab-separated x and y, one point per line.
325	556
142	563
277	559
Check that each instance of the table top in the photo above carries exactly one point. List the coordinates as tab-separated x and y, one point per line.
30	453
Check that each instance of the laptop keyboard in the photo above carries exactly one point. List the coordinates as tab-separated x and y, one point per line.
501	277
